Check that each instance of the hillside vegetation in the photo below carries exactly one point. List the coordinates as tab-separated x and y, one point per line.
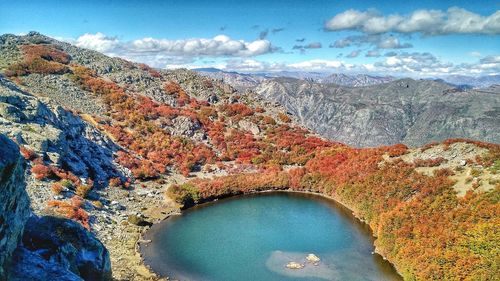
93	128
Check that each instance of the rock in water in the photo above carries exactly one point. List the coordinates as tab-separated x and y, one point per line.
312	258
14	201
294	265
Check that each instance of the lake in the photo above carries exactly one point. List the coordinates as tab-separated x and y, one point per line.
254	237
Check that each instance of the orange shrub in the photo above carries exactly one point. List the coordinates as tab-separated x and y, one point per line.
57	188
41	171
27	153
284	118
72	210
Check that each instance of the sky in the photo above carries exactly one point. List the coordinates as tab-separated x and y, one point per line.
403	38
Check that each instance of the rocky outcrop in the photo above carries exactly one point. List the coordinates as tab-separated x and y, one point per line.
32	266
65	243
14	202
58	135
46	248
413	112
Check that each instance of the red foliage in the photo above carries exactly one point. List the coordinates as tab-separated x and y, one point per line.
237	109
46	52
72	210
115	182
41	171
284	118
43	59
27	153
428	162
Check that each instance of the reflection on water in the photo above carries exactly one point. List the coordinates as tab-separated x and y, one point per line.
254	237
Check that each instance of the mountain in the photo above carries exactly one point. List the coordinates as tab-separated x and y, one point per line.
355	80
248	81
240	81
474	82
410	111
94	150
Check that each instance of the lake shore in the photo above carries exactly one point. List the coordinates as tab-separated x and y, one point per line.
147	234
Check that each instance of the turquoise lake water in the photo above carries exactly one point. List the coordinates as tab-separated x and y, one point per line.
253	237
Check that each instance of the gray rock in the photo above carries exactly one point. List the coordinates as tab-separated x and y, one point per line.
249	126
14	201
68	244
32	266
10	112
54	132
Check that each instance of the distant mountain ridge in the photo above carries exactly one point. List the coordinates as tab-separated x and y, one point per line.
248	81
410	111
244	81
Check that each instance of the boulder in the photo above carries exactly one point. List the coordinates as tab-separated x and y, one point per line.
136	220
294	265
68	244
32	266
312	258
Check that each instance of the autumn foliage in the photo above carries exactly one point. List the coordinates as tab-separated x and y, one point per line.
421	225
71	210
43	59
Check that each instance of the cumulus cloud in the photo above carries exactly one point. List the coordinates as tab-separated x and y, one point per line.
318	64
313	45
413	64
392	43
98	42
380	41
490	60
455	20
220	45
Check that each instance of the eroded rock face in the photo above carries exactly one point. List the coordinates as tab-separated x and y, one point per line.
14	202
32	266
413	112
55	133
67	244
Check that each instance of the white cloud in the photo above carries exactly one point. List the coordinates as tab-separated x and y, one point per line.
413	64
220	45
392	43
98	42
317	64
381	41
430	22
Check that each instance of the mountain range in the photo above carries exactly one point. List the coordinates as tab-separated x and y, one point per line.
409	111
243	81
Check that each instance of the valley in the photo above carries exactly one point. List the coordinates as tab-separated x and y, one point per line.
105	148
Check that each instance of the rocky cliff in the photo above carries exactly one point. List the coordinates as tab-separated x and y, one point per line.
413	112
41	248
14	202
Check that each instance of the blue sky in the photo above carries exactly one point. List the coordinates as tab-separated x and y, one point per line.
415	38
